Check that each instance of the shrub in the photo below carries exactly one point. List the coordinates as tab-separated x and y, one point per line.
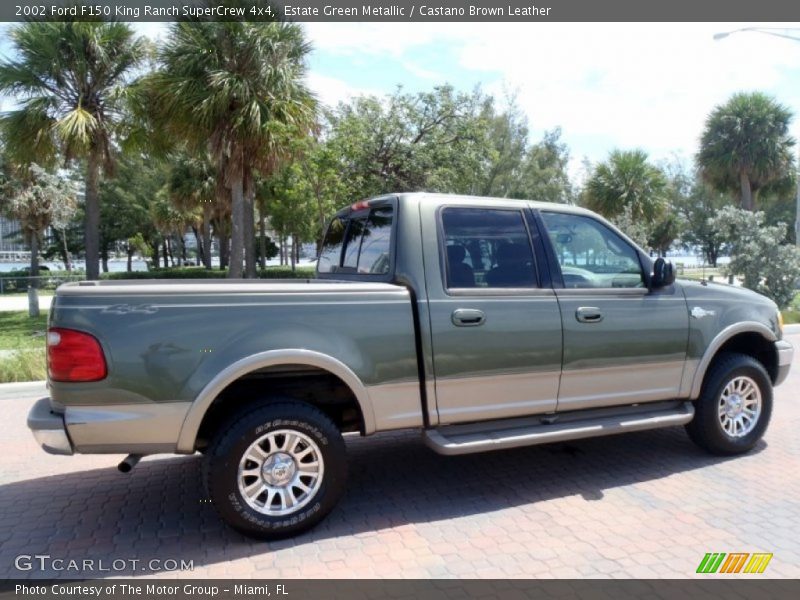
759	253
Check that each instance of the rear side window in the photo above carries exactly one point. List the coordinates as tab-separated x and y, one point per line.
359	244
331	254
487	248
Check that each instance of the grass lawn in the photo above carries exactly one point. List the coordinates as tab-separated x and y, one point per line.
23	365
22	342
18	331
792	314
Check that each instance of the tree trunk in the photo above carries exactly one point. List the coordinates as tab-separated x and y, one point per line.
207	234
262	239
322	223
746	191
65	252
293	250
198	240
711	255
182	244
156	258
224	251
104	256
249	228
92	219
165	252
237	228
33	286
130	257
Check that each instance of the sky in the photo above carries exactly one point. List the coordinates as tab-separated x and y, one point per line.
606	85
644	85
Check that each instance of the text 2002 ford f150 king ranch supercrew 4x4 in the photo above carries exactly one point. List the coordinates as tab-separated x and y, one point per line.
484	323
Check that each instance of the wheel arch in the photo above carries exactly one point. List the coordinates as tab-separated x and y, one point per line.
750	338
263	360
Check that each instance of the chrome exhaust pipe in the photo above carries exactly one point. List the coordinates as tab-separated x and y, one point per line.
126	466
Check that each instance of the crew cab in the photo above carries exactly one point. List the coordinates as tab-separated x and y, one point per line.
485	323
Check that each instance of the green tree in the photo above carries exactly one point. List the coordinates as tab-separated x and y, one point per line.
543	174
759	253
408	142
236	89
664	232
627	181
515	168
697	208
71	80
38	199
192	187
746	147
126	205
506	141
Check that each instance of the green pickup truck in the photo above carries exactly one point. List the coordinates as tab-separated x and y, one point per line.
485	323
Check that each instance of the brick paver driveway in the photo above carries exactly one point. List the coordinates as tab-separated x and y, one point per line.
643	505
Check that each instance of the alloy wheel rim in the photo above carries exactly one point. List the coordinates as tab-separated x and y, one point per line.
280	472
739	406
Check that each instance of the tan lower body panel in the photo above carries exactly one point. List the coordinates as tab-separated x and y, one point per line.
126	428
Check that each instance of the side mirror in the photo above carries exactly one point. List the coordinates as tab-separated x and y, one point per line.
663	274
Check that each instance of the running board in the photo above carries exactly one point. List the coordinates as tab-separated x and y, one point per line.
513	433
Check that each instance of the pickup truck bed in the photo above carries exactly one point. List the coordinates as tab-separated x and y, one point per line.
174	347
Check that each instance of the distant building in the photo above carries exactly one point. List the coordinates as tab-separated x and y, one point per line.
10	239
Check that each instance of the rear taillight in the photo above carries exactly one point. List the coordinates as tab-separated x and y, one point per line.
74	356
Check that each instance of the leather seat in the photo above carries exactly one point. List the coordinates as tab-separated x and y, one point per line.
460	274
513	269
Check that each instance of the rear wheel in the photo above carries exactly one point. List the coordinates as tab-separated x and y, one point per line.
734	407
276	470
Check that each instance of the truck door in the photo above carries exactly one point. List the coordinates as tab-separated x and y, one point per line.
496	331
623	344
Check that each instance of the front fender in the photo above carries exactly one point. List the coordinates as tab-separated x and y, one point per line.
717	343
199	407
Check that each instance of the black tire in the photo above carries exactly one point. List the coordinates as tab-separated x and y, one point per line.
228	446
706	428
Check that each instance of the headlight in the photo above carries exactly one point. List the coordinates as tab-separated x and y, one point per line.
780	321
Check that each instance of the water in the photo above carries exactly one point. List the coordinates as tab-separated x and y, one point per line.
114	266
692	261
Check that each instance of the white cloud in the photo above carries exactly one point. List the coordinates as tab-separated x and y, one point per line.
331	91
646	85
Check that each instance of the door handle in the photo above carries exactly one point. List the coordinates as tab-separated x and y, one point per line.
468	317
588	314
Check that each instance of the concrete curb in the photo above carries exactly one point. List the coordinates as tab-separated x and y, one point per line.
22	386
793	328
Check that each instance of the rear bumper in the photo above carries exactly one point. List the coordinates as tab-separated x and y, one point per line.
785	356
48	428
116	429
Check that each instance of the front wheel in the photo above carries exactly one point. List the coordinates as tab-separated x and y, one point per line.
734	407
277	470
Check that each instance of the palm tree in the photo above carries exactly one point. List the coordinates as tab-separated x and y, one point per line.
70	80
236	89
192	187
627	182
746	146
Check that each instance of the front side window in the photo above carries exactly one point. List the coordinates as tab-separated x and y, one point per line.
358	244
592	255
487	248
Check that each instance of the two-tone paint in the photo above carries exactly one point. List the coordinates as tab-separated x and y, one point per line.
173	347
